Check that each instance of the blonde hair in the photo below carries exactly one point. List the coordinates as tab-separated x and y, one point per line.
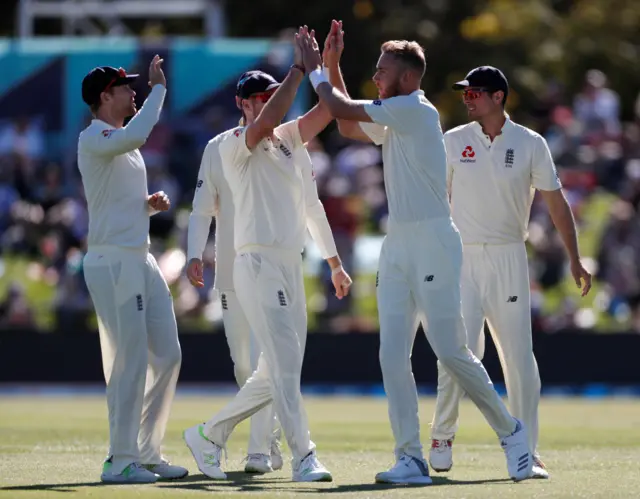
409	52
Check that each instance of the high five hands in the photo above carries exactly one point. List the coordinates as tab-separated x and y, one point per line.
307	46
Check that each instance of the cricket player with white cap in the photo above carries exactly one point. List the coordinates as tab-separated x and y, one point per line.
138	333
421	259
213	198
494	167
275	200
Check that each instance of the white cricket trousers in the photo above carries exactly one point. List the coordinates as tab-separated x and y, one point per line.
419	279
141	354
270	289
495	286
244	354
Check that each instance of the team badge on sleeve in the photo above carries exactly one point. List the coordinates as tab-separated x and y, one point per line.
238	132
377	102
199	184
107	133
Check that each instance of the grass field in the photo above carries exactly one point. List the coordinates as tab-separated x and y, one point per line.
53	447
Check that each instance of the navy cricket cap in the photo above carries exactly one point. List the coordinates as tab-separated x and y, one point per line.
102	78
484	76
255	82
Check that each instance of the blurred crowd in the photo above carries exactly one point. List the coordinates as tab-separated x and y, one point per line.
43	216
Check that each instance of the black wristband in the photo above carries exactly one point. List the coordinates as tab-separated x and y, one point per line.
297	66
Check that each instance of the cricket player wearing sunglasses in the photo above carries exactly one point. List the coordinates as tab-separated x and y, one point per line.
494	167
259	177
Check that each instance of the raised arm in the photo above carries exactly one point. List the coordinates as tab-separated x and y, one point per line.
114	142
333	48
274	111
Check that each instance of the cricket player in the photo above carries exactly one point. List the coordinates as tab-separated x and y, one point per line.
494	167
138	334
275	200
421	259
213	198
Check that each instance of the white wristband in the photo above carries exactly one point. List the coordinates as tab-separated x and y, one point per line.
336	270
317	76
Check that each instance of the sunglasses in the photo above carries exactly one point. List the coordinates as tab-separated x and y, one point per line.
474	93
121	74
262	96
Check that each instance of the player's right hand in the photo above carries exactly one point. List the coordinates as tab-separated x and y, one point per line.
333	45
194	273
341	282
156	75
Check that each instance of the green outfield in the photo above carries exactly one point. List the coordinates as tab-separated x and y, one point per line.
53	447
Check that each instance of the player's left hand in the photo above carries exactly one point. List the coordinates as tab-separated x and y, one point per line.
310	50
581	276
159	201
342	282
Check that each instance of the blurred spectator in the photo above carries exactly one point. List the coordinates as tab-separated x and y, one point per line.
598	107
619	261
15	310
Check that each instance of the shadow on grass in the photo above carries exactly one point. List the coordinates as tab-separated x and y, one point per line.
244	482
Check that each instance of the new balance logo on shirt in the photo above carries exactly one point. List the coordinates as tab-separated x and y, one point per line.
281	298
428	278
512	299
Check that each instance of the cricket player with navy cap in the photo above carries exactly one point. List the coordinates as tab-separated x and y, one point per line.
275	201
494	167
138	333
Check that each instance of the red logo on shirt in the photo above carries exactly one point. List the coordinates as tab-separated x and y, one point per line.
237	133
468	152
107	133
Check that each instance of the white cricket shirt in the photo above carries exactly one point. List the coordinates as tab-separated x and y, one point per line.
274	192
493	183
115	178
413	154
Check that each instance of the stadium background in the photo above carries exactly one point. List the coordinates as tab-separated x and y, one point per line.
573	69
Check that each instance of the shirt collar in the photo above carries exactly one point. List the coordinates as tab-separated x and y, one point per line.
508	125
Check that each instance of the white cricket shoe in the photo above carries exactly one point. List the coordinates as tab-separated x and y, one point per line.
539	470
309	469
276	455
205	452
258	463
407	470
134	473
441	455
167	470
516	449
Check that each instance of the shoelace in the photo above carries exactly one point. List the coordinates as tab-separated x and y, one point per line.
441	445
255	456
